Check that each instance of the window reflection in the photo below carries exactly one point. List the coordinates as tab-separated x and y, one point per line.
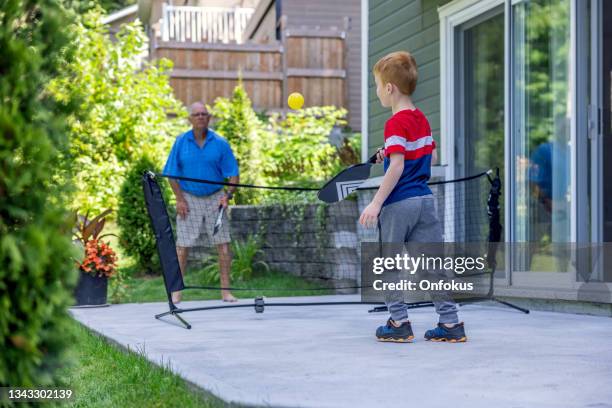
541	136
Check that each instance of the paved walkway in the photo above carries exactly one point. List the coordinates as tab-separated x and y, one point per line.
326	356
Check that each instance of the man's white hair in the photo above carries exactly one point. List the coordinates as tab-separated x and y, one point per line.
194	105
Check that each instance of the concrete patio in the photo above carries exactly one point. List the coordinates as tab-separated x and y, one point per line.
327	356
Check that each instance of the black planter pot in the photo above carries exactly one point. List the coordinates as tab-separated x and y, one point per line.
91	290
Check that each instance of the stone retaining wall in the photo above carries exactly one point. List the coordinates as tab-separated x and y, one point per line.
314	241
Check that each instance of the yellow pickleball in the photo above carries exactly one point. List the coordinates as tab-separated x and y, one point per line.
295	100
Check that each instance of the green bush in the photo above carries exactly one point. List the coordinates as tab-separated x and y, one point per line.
244	262
124	109
37	269
276	150
136	234
301	152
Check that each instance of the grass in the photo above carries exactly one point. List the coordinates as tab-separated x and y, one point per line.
104	375
151	289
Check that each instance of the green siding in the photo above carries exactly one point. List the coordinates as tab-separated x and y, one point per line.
410	25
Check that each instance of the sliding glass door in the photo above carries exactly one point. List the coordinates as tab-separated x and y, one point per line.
479	106
525	86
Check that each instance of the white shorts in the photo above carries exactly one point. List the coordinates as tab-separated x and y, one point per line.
202	215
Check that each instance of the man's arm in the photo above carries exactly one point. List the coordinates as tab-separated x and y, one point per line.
234	180
178	193
181	204
229	166
229	194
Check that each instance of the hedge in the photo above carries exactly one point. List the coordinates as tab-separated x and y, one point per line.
36	254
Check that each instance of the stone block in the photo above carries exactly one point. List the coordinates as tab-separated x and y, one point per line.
291	268
343	239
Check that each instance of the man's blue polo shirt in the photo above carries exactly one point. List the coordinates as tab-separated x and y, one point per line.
213	161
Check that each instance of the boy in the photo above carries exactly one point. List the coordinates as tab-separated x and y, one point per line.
404	204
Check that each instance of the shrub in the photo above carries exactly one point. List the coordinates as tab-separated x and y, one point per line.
137	238
124	109
244	261
37	269
301	152
294	150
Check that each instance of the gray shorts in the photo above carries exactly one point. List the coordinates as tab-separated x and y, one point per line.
414	219
202	215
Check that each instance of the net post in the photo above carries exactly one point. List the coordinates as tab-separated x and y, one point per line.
166	248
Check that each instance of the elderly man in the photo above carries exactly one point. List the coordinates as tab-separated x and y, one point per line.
202	154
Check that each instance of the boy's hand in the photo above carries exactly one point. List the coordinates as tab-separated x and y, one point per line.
380	155
369	216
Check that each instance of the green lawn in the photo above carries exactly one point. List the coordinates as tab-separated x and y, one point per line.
104	375
151	289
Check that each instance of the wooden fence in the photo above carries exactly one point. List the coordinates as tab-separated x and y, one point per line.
311	62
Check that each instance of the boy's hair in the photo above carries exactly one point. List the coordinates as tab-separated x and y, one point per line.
400	69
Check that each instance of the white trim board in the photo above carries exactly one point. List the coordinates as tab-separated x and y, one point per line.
452	15
119	14
365	73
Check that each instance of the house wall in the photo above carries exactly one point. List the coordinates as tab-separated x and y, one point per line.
405	25
115	26
265	32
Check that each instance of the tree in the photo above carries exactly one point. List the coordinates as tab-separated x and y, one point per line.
36	266
124	110
280	151
137	237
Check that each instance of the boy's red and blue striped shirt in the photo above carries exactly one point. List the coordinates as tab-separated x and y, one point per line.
408	132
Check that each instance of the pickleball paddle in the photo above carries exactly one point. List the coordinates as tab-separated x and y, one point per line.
347	181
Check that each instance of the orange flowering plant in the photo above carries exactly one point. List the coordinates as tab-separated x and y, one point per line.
99	258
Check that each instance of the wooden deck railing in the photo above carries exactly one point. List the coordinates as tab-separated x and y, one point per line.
204	24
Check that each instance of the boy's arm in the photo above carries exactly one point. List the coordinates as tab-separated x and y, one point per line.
390	179
369	216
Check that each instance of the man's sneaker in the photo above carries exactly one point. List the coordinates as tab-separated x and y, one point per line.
455	334
401	334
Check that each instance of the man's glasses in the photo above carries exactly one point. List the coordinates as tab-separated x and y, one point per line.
200	114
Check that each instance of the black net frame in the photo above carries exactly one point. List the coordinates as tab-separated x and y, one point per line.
453	197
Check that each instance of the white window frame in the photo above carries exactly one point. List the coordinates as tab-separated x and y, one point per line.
365	76
453	15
